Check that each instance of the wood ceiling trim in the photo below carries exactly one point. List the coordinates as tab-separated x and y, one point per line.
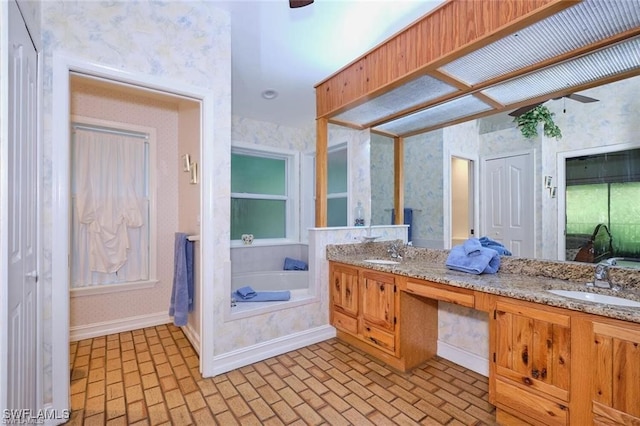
468	24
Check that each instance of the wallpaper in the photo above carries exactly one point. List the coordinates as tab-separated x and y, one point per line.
188	42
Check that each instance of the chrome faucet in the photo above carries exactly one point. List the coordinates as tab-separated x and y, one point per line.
601	276
395	250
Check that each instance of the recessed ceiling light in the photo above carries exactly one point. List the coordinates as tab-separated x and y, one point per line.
270	94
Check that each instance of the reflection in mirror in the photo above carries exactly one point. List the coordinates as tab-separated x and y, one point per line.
337	207
602	210
609	122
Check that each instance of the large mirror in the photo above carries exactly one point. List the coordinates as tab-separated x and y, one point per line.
588	130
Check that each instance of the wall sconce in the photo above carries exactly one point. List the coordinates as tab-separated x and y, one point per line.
553	191
194	172
186	163
548	181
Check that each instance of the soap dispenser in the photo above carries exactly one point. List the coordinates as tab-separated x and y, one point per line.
359	216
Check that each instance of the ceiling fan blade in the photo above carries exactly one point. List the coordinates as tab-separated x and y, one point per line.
523	110
581	98
299	3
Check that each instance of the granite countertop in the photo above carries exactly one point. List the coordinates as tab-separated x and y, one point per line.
518	278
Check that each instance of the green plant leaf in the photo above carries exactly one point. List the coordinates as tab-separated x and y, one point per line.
528	123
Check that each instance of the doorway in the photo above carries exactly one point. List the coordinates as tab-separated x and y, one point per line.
64	67
462	200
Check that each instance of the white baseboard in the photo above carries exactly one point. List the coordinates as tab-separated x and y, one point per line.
193	337
464	358
98	329
261	351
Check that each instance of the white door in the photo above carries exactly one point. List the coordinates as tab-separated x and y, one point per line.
22	193
508	202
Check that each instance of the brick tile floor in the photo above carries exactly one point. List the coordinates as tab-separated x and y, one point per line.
150	377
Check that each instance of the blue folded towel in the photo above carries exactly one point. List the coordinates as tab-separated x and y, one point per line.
294	265
183	280
492	244
471	245
246	292
263	296
483	260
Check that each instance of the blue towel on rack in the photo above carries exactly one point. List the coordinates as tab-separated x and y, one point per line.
408	220
492	244
294	265
483	260
247	294
183	280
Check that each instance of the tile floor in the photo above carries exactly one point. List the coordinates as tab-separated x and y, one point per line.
150	377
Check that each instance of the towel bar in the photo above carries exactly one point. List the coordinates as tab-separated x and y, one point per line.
193	237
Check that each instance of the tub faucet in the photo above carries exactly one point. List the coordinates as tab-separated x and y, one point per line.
395	250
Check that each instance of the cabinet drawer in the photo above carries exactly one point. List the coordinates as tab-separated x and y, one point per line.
345	322
531	405
379	337
438	293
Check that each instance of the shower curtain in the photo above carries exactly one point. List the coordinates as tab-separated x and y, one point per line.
110	209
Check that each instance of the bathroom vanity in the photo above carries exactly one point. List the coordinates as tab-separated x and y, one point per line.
552	361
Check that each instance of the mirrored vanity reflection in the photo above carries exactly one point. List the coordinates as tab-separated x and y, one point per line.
591	177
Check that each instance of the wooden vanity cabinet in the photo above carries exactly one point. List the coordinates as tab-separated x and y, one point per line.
378	319
345	302
532	358
615	370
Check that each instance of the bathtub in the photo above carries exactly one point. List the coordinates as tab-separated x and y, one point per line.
271	280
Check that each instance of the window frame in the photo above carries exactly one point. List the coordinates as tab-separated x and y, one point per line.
341	195
292	191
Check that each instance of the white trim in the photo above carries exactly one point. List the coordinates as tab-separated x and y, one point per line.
192	336
111	288
63	64
4	200
463	358
119	325
261	351
561	162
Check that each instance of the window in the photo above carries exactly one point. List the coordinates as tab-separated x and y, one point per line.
261	194
111	219
337	195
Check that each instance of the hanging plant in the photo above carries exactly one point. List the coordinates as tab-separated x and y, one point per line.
528	123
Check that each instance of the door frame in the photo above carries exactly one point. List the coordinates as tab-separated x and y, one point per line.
448	199
63	65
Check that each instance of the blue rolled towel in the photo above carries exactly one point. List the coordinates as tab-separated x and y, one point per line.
492	244
472	245
265	296
246	293
294	265
485	260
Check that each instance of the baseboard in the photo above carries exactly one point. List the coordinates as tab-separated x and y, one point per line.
463	358
261	351
120	325
192	336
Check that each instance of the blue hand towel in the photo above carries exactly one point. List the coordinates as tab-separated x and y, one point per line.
264	296
485	260
294	265
471	245
492	244
246	293
182	291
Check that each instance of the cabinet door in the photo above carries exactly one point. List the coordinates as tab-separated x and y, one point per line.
533	348
378	300
616	364
344	289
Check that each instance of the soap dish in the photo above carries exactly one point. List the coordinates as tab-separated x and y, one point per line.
370	238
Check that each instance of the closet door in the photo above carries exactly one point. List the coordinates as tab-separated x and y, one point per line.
22	224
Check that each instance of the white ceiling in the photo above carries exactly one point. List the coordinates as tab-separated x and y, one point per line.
291	50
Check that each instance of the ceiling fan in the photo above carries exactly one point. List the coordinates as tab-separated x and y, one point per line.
299	3
580	98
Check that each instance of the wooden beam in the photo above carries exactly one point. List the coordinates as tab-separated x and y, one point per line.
322	143
450	31
398	179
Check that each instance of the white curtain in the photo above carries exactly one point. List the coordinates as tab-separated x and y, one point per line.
110	209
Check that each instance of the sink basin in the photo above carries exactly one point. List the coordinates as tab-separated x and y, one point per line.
596	298
382	262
